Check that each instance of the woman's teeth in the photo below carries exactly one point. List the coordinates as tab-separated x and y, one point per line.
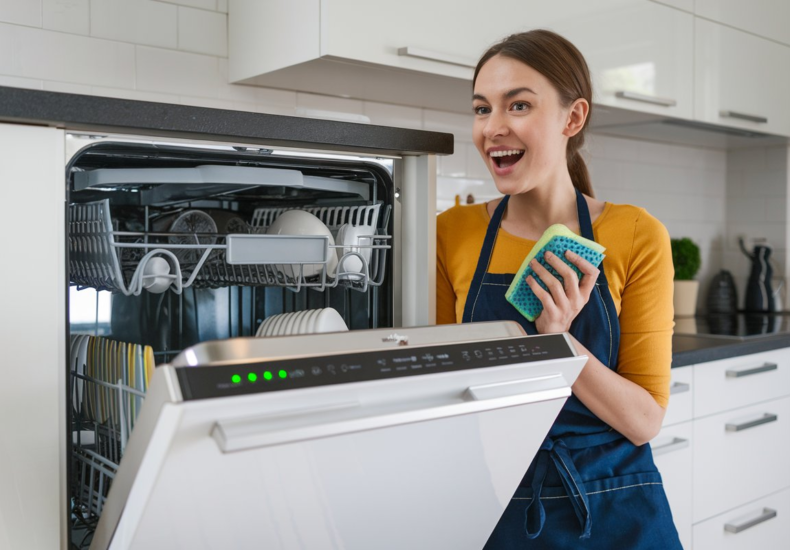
503	159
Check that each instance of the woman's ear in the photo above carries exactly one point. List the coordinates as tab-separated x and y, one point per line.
577	114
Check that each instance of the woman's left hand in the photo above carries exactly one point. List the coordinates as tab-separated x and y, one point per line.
564	300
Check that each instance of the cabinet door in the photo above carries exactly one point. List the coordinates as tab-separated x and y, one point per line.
760	524
740	381
766	18
33	366
680	407
740	455
672	455
741	80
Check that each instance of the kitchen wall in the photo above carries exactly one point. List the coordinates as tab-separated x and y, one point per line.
176	51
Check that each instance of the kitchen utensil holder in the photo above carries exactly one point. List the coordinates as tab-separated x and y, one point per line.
105	259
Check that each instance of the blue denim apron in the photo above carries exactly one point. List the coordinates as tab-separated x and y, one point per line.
588	487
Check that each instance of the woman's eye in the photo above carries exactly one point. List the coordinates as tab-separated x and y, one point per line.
481	110
520	106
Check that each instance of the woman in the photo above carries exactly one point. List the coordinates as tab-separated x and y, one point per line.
593	484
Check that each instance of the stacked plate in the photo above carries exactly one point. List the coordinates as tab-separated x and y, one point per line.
308	321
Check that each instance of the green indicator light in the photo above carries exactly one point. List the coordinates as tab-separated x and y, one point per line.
267	375
252	377
283	374
236	378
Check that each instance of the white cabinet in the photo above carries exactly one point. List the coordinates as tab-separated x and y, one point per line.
767	18
741	80
32	368
672	453
760	524
423	53
740	455
681	404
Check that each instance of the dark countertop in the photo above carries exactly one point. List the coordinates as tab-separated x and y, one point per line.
102	114
690	349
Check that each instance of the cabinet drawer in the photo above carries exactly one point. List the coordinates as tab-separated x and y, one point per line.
740	381
672	455
680	396
740	456
760	524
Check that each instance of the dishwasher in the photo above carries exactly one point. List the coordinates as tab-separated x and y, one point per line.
241	370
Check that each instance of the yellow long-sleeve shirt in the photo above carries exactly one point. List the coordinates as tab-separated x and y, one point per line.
638	267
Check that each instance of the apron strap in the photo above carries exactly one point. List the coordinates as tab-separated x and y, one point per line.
484	259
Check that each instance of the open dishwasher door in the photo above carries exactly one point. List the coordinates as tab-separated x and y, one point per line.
382	439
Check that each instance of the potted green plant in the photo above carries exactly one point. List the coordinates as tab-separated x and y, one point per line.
687	261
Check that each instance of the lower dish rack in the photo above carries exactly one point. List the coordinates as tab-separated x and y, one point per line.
129	262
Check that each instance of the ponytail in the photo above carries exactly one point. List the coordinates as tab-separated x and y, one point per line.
577	168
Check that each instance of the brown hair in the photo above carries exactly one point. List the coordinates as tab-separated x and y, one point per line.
563	64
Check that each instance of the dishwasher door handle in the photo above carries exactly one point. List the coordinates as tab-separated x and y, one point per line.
262	431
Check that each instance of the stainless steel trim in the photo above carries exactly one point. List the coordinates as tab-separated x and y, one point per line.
679	387
743	116
767	514
676	444
767	418
654	100
409	51
247	434
733	373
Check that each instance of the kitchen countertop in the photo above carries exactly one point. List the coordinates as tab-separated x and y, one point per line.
103	114
690	349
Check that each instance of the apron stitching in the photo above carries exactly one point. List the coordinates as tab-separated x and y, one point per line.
494	284
608	320
594	492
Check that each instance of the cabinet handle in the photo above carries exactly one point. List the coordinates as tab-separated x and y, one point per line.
733	373
679	387
743	116
767	417
767	514
408	51
663	101
676	444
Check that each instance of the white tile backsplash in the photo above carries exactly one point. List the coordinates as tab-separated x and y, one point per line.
195	75
21	12
202	31
202	4
139	22
67	88
384	114
222	6
71	16
453	123
316	102
16	82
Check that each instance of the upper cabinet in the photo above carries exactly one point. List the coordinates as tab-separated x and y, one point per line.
418	52
767	18
741	80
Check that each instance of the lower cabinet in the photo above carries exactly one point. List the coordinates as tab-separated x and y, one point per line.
761	524
673	457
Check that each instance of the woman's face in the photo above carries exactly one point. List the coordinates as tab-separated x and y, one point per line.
520	126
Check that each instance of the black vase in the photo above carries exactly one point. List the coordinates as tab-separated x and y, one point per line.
759	294
722	295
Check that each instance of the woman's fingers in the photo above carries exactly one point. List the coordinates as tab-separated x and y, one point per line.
552	283
589	273
569	277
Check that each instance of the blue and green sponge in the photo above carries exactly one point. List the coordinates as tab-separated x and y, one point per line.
556	239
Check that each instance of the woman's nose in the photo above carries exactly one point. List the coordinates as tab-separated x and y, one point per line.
496	126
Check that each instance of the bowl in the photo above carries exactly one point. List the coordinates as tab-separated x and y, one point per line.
299	222
156	275
356	241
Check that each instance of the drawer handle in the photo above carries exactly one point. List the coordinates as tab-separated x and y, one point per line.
409	51
767	514
663	101
744	116
676	444
733	373
679	387
767	418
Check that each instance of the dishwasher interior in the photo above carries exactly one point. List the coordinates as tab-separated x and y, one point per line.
170	245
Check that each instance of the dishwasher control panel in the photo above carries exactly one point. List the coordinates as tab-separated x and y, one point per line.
259	376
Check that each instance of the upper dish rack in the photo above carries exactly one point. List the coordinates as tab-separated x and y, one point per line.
123	261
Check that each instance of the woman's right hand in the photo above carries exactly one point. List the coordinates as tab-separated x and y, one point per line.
563	301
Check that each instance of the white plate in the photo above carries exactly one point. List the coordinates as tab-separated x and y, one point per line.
330	320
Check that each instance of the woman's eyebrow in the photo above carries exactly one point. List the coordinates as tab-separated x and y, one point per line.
511	93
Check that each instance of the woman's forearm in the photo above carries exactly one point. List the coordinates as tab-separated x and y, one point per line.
624	405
